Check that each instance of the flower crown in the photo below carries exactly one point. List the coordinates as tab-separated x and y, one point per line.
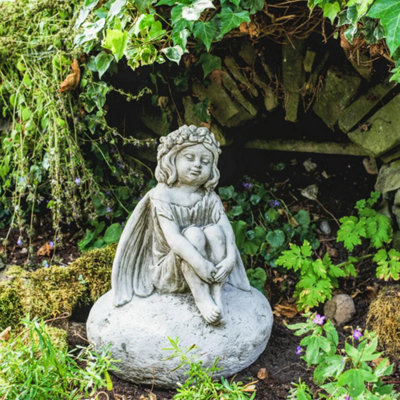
185	134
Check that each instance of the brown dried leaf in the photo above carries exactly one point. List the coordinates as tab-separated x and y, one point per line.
262	373
45	250
72	80
244	27
5	335
285	309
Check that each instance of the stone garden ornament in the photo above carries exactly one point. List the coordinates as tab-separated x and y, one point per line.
178	273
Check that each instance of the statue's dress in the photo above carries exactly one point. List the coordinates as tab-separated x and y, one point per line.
144	261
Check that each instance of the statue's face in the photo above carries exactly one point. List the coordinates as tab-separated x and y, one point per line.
194	165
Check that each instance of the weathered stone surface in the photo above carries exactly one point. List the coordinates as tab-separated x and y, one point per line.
388	177
225	110
191	118
356	111
309	60
383	129
396	206
138	331
339	89
248	53
293	76
340	309
234	69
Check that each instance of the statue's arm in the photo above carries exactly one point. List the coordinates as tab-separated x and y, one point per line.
184	249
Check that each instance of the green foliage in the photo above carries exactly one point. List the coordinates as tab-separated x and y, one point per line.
372	20
200	383
342	373
32	366
263	227
369	225
318	277
146	33
56	148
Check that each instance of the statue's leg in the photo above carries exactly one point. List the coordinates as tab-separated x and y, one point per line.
216	249
201	294
200	289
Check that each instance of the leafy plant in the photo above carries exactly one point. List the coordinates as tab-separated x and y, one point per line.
147	32
318	277
263	227
200	383
356	371
372	20
32	367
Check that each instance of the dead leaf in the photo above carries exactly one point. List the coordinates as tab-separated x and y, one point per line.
244	27
150	396
262	373
72	80
5	335
250	387
285	309
45	250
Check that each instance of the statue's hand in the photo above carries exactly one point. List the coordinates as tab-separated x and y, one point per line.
207	271
224	269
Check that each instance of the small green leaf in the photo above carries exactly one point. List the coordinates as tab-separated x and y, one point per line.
209	63
113	233
303	218
115	41
206	32
102	62
231	20
226	192
193	12
275	238
173	53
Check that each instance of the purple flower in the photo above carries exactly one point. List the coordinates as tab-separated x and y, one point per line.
357	334
343	360
120	164
319	319
51	244
274	203
107	193
45	264
247	185
19	242
348	398
22	180
109	209
77	181
298	350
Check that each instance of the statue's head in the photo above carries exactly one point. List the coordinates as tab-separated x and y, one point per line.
184	138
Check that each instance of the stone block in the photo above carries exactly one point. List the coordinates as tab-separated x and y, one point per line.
356	111
338	91
381	132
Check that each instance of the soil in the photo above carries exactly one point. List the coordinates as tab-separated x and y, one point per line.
341	182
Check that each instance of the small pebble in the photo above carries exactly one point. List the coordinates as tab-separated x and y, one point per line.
340	309
325	227
309	165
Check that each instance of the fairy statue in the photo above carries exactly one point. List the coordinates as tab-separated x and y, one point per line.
178	238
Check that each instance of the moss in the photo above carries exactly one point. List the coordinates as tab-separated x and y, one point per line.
56	290
11	310
384	318
95	269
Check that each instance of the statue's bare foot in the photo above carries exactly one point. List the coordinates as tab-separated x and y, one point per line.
210	312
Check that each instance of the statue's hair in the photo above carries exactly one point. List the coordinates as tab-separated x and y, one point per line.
174	142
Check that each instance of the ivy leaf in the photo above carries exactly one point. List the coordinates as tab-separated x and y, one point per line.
231	20
193	12
331	10
116	8
102	62
83	14
252	5
209	63
388	11
179	37
115	41
144	5
206	32
174	53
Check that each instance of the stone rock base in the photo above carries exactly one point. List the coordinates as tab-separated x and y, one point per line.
139	330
